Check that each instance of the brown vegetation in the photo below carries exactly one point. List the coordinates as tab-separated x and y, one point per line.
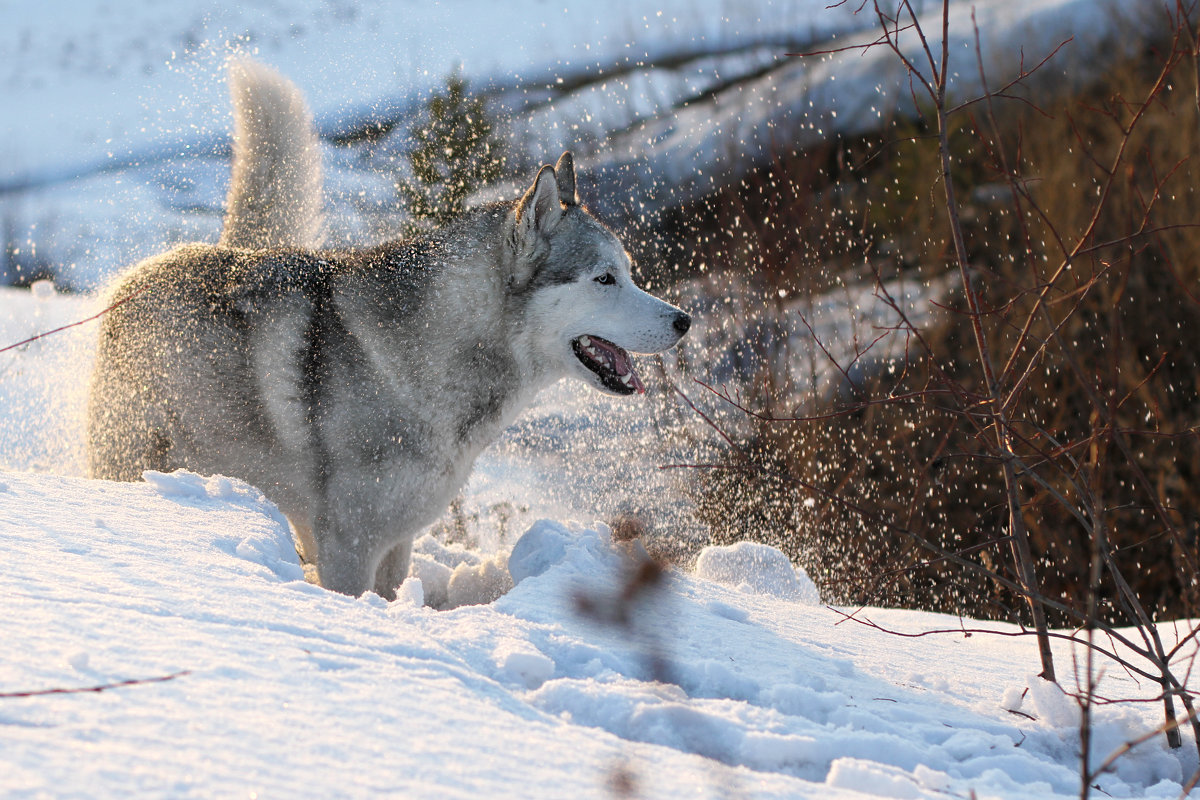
1079	217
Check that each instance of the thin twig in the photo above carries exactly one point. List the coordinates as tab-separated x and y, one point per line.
96	689
95	316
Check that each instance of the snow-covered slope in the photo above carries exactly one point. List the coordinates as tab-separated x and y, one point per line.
577	681
580	680
125	79
115	144
677	156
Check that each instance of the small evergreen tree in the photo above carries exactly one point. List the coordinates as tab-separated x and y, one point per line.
455	153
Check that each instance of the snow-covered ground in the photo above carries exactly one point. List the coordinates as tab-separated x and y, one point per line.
723	679
563	665
726	683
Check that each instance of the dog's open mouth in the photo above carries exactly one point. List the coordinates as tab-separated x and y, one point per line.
611	363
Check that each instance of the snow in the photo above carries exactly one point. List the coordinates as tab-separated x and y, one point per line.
101	80
42	389
272	685
555	667
530	654
757	568
677	151
543	545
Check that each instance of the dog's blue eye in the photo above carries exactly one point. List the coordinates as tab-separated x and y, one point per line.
606	279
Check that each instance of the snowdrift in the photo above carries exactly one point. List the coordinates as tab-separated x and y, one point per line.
229	675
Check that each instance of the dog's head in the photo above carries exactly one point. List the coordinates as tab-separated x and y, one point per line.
583	311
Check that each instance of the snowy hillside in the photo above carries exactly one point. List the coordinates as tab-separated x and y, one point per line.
126	79
583	680
120	148
728	683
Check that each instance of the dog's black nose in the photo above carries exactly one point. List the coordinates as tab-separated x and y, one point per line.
681	323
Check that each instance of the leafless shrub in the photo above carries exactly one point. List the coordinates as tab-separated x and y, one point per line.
1034	452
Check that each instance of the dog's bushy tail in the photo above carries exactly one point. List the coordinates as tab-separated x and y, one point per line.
275	194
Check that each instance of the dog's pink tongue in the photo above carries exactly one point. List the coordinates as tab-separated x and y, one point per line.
622	364
635	381
627	373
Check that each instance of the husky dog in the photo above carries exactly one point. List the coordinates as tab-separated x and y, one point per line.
356	388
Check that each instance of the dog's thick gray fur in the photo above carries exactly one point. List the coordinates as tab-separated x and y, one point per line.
275	190
356	388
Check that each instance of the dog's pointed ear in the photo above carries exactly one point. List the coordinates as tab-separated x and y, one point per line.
540	210
564	172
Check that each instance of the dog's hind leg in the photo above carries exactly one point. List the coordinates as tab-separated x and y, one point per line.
125	436
393	569
125	456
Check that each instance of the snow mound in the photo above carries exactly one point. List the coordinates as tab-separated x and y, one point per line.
871	778
543	545
451	576
522	665
478	584
757	569
1052	704
271	547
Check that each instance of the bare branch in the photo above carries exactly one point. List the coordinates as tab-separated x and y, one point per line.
96	689
62	328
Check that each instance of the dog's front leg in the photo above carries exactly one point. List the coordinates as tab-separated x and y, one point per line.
349	536
342	565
